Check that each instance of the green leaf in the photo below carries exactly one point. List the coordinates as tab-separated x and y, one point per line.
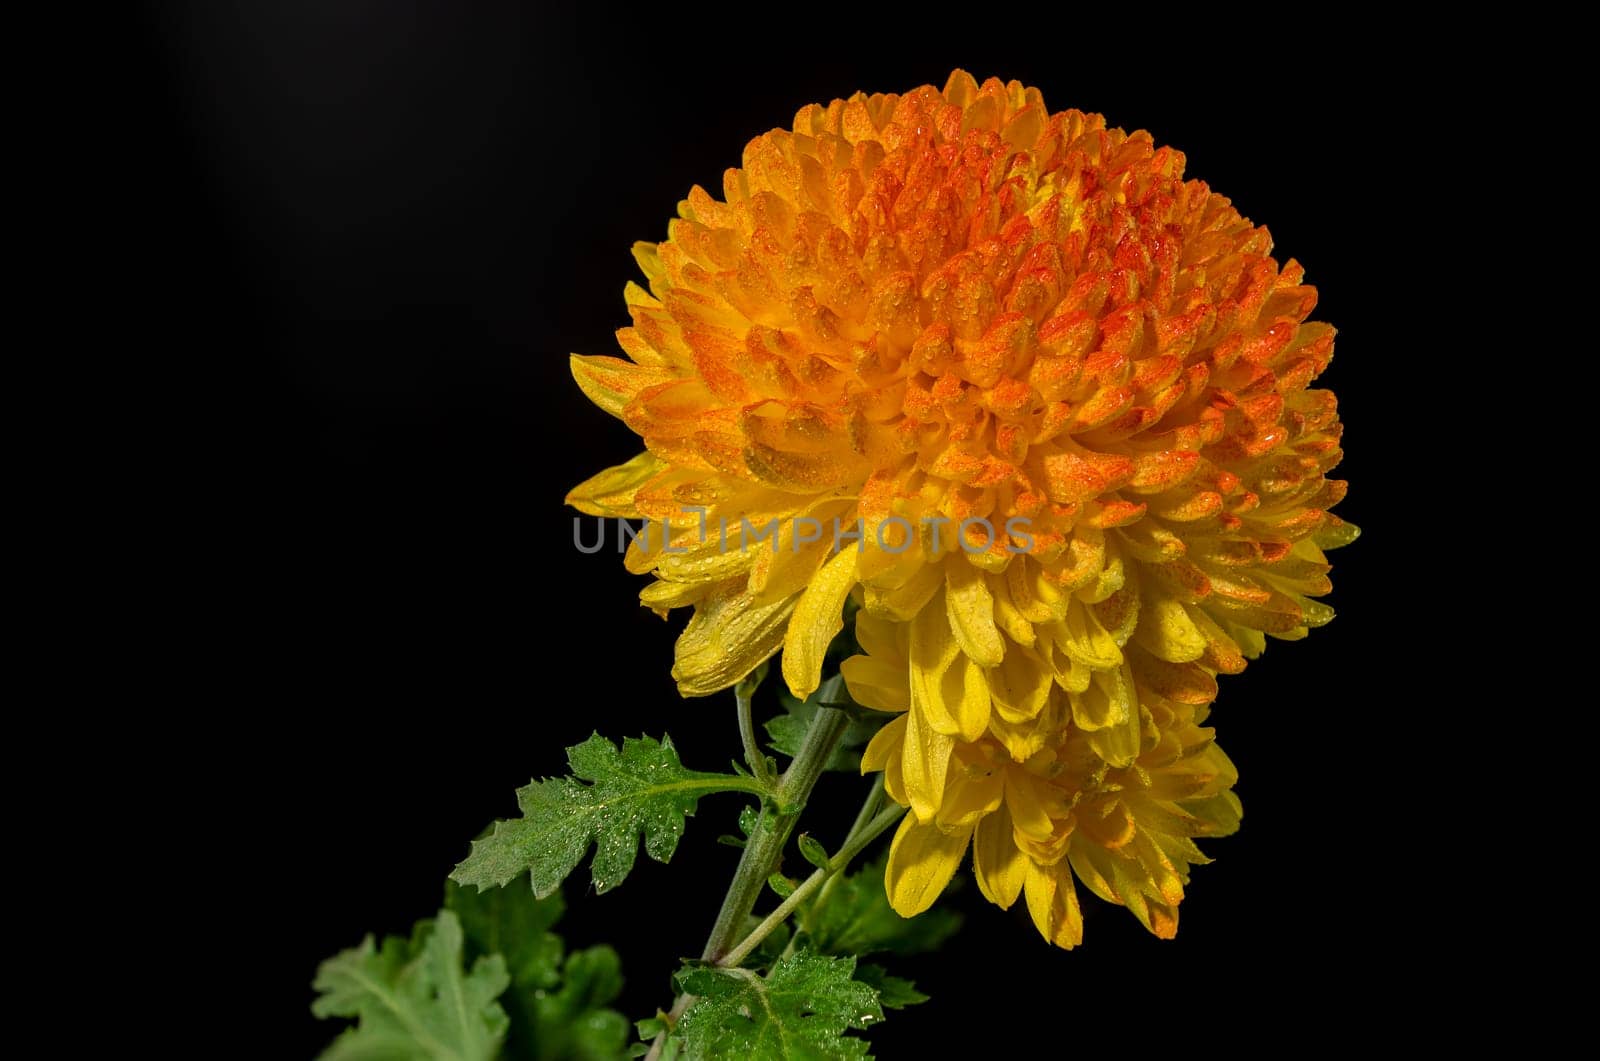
515	924
641	789
573	1024
813	850
749	815
800	1012
411	999
557	1008
857	919
894	992
786	731
781	884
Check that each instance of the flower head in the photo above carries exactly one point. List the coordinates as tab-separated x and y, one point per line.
1063	396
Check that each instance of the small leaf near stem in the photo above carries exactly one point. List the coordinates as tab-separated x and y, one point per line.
869	808
813	851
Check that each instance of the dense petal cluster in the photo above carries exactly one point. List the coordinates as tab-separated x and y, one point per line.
1127	829
1063	397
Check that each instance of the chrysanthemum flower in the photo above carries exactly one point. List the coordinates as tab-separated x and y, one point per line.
1066	394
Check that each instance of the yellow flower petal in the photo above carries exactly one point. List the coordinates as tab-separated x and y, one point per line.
611	492
970	608
662	597
1021	740
883	638
933	650
922	859
1164	876
997	862
1087	861
925	763
1336	533
1053	903
1027	809
1035	596
728	637
970	796
817	617
1020	686
967	691
1119	743
877	683
948	690
906	601
1073	677
1166	630
789	568
885	745
1108	579
1006	613
1103	704
1082	637
611	383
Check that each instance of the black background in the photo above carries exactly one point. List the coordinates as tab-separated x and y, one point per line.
397	220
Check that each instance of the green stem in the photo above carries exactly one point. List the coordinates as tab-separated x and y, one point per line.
765	846
747	733
876	826
869	807
767	839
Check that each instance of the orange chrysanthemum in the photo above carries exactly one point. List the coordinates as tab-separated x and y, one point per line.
1064	396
